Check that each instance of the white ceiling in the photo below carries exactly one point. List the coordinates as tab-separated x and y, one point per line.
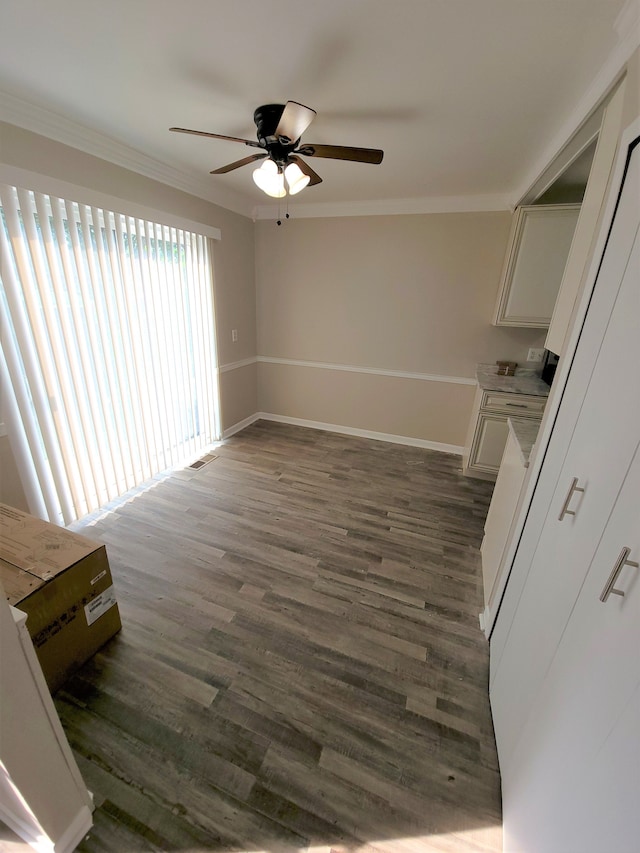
464	96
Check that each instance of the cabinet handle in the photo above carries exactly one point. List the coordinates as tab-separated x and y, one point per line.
615	571
574	487
517	405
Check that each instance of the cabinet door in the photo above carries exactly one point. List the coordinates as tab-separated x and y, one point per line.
490	439
500	515
602	446
564	790
535	264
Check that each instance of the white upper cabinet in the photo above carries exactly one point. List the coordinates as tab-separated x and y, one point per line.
538	249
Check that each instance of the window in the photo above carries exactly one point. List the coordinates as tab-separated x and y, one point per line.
108	348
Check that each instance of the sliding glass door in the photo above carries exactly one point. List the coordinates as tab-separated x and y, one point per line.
108	348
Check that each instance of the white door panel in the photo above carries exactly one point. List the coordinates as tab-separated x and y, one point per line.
564	761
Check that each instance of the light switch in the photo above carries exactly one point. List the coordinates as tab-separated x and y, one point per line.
234	336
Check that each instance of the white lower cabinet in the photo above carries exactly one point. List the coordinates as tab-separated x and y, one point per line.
565	663
499	519
488	429
491	438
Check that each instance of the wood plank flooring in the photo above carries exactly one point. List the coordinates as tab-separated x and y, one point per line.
301	665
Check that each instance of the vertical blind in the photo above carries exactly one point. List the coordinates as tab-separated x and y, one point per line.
107	346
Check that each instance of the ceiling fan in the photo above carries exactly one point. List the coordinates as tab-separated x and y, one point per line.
279	129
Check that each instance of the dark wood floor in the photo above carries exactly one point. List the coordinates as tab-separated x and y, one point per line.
301	665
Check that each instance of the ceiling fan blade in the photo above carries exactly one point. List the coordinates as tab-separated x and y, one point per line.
295	119
231	166
306	168
342	152
216	136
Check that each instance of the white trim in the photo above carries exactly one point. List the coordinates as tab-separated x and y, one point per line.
75	832
575	147
232	430
375	371
25	831
486	621
362	433
627	26
454	449
235	365
13	176
54	126
389	207
68	841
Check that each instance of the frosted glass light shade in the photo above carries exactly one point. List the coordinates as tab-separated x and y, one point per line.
270	179
296	178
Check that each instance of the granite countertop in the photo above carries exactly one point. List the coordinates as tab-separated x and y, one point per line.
524	382
525	432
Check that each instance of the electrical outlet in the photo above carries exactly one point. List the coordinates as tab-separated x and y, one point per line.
535	354
234	337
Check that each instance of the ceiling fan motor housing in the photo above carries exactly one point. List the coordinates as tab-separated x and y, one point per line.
266	119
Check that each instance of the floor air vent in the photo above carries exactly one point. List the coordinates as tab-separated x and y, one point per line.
200	463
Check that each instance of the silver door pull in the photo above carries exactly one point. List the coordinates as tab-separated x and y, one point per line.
615	571
574	487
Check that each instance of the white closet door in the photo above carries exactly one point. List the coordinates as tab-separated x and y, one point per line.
599	455
568	788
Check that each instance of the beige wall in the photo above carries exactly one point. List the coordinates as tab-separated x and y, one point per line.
238	394
435	412
233	254
412	293
234	266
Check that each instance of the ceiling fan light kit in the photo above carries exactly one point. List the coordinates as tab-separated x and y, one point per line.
270	179
279	130
296	179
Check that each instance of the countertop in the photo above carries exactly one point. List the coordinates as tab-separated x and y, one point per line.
525	432
524	382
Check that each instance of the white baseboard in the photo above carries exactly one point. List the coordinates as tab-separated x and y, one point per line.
68	841
75	832
345	430
26	831
232	430
485	621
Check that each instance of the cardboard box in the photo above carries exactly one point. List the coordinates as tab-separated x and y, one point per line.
62	581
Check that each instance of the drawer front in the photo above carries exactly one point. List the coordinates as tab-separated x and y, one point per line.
519	405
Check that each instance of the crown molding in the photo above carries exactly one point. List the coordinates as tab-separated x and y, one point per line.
40	120
55	126
627	27
387	207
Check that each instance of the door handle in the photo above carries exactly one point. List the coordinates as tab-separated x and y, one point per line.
623	560
574	487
